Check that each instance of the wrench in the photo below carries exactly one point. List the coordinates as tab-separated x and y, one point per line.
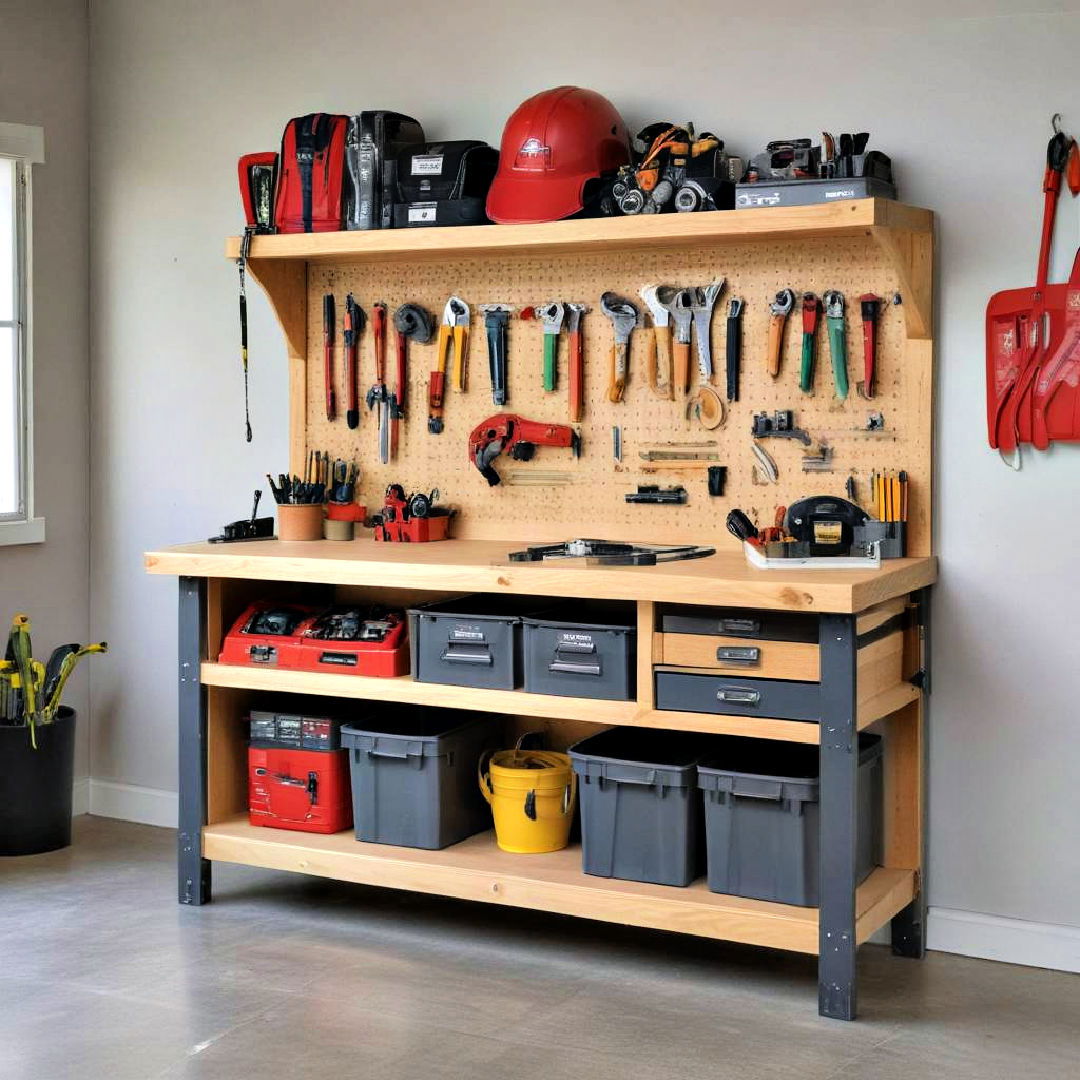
660	346
781	309
833	303
551	315
576	361
624	315
704	299
680	303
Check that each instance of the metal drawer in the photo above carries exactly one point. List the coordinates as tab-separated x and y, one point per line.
738	622
799	660
681	691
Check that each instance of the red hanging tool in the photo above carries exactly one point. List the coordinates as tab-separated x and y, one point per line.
328	321
512	434
871	308
575	361
354	323
1056	396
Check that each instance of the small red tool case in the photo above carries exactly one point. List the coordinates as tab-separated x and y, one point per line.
298	775
352	640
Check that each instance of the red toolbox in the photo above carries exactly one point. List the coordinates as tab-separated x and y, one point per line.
358	640
298	775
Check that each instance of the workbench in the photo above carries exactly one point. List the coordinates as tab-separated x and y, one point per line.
866	245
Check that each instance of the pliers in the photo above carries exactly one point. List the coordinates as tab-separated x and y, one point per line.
454	328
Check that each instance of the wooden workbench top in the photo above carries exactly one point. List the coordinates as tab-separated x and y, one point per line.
482	566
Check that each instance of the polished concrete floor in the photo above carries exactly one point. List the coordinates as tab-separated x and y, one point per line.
104	977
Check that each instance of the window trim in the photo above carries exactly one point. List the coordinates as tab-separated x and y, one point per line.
26	144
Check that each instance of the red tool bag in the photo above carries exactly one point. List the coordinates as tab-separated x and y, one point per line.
311	174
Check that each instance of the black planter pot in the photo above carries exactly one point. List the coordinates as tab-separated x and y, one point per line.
35	786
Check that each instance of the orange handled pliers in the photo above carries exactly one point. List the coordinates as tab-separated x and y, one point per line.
454	328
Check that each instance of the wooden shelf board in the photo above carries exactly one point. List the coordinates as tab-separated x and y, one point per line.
859	217
482	566
476	869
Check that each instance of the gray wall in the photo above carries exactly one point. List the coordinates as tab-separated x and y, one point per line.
43	81
961	100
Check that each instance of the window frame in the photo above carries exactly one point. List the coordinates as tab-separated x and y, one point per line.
25	145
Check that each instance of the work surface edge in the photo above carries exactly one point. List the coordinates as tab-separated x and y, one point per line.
723	579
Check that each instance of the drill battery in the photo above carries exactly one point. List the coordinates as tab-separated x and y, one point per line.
298	775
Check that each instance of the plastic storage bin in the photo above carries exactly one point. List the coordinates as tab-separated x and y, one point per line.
640	809
469	641
761	817
413	774
581	650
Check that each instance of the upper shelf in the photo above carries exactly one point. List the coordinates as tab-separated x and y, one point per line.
852	218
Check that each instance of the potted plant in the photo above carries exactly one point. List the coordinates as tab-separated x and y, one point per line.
37	744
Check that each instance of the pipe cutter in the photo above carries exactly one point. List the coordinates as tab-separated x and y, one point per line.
512	434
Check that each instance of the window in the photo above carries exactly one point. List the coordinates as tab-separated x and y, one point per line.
20	148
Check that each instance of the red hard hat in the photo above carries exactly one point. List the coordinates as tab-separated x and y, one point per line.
551	146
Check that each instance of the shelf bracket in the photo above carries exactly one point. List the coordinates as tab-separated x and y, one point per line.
911	253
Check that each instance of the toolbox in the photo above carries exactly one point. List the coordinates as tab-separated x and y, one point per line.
761	817
298	775
806	192
469	641
444	183
356	640
414	772
640	809
581	649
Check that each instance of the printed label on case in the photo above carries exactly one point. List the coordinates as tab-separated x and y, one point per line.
423	212
428	165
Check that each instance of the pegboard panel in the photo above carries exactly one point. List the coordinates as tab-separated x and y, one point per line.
593	504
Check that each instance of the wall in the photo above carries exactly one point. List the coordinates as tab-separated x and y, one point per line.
44	81
962	101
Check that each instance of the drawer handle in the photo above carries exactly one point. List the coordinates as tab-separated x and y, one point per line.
739	657
740	626
574	669
458	656
739	697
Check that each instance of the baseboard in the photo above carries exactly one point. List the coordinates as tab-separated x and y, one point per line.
80	796
147	806
1013	941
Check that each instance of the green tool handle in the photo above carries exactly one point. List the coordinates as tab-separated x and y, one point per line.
838	349
551	364
806	368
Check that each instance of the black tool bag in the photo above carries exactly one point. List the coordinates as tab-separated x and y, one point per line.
372	145
444	184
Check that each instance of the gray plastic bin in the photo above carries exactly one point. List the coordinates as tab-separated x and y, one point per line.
640	810
413	773
761	817
469	641
581	649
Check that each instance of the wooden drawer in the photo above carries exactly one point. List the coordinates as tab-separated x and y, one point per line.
799	660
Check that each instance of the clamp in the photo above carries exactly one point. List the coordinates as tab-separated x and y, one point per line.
781	425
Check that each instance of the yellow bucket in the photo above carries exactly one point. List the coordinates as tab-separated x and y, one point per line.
532	795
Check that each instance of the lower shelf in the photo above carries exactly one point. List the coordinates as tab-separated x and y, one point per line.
476	869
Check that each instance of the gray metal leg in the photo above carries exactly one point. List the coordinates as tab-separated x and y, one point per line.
193	869
839	769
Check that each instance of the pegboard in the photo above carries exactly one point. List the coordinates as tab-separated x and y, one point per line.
593	504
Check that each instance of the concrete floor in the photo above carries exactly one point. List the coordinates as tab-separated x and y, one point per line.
104	977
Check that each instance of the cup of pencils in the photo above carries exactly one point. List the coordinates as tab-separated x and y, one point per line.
301	501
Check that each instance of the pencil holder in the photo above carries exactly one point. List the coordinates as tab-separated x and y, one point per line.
891	534
300	521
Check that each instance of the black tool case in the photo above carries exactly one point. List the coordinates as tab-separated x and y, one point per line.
444	184
373	142
581	649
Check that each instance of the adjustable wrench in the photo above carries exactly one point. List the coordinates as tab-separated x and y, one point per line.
354	324
624	316
704	299
734	347
811	311
660	345
870	307
576	361
496	320
378	394
834	319
780	308
551	315
680	303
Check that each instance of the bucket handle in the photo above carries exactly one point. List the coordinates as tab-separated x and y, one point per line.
485	778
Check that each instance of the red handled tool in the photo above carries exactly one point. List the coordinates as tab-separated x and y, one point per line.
512	434
328	321
575	361
811	312
354	324
871	309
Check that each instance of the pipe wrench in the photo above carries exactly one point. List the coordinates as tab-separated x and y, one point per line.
870	307
378	395
781	309
576	360
811	312
704	300
734	347
680	303
624	316
453	333
833	302
659	355
354	324
496	320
